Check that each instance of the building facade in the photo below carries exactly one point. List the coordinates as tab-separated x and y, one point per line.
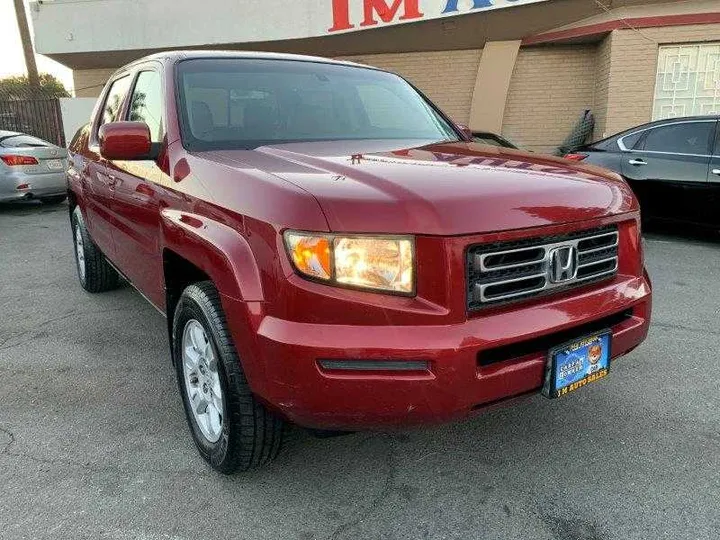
524	68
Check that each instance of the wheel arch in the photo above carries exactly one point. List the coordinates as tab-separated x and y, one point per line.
178	273
197	248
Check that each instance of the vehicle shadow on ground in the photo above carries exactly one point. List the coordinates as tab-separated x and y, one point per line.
682	232
26	208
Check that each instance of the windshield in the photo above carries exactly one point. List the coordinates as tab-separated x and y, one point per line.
246	103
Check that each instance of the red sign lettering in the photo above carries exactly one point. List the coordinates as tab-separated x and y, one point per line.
371	8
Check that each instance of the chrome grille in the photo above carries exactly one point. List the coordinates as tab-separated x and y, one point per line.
509	271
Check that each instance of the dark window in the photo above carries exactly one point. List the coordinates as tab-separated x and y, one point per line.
114	100
687	138
19	141
629	141
146	103
493	140
241	103
487	140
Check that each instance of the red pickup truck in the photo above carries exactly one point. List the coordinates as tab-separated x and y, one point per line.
330	249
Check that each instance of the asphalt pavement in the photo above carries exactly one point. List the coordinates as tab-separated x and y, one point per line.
94	445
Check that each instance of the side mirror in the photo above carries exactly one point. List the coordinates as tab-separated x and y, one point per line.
125	140
466	131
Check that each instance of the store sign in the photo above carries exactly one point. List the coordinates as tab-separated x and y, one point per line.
348	15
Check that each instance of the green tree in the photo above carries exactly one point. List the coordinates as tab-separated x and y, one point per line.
18	87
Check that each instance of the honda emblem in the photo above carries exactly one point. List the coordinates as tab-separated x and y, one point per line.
563	264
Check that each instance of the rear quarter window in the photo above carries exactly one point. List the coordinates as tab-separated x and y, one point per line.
631	140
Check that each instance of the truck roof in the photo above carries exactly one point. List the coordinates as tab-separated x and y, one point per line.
189	54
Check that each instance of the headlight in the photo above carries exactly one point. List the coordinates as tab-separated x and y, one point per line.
382	263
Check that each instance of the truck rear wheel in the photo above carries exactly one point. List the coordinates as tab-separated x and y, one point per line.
94	272
231	429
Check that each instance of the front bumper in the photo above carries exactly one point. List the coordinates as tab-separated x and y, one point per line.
287	375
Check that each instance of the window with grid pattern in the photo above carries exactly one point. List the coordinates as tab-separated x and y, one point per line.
688	81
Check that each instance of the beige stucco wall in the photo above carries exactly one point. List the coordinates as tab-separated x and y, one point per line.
633	70
602	85
551	86
446	77
89	82
491	85
645	9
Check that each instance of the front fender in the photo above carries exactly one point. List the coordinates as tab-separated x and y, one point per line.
218	250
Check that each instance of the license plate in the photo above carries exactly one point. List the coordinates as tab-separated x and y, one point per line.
575	364
54	164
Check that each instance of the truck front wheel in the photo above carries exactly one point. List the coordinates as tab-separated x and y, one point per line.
231	429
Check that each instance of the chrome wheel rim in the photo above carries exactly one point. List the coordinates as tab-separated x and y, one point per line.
80	253
202	380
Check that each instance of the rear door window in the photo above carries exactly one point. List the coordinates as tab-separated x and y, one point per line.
686	138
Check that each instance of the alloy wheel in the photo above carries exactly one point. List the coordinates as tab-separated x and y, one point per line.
80	252
202	380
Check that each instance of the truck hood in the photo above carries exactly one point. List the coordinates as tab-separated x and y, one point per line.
439	188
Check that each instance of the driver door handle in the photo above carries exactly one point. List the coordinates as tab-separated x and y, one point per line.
637	162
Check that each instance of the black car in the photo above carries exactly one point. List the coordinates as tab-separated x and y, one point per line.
672	165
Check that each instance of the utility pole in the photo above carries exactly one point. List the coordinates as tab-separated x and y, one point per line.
27	46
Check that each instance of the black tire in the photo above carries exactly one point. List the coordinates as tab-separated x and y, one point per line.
55	199
250	435
98	276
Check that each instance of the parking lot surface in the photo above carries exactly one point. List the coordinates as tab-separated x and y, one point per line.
93	441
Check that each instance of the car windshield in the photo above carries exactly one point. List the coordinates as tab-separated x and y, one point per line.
246	103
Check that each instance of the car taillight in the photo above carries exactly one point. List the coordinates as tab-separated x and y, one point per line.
14	161
575	156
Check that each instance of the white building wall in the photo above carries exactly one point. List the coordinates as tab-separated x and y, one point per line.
71	26
76	113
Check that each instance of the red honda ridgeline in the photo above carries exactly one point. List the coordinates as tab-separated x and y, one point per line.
329	249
